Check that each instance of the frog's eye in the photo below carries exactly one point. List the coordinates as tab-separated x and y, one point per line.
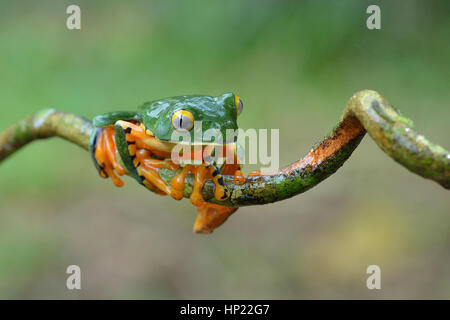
182	120
239	105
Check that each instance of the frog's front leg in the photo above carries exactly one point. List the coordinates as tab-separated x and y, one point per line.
203	173
210	215
221	192
232	166
146	168
105	155
200	177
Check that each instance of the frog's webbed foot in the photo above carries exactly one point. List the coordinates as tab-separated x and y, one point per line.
238	177
146	166
200	177
221	192
177	182
105	155
211	216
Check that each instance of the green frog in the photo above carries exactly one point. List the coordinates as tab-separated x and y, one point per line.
141	143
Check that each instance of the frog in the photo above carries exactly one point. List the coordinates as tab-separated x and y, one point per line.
141	143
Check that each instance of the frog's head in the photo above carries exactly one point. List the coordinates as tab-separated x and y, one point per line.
177	114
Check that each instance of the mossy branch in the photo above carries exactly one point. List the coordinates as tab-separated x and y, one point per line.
46	123
365	111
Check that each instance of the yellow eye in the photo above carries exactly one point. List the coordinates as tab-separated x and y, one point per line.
182	120
239	105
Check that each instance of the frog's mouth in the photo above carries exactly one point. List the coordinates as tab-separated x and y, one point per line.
190	153
167	145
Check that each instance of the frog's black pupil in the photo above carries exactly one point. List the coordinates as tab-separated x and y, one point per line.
181	122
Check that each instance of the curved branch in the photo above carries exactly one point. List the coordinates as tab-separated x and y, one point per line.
45	124
365	111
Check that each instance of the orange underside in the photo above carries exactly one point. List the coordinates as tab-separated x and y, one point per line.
149	161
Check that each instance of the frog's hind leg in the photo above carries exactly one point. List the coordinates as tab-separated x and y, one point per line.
145	167
104	152
148	169
211	216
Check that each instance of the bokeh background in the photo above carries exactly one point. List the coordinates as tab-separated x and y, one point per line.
295	64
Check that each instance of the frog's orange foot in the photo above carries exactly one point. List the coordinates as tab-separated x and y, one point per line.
211	216
196	197
203	173
255	173
221	192
239	177
148	169
177	182
105	155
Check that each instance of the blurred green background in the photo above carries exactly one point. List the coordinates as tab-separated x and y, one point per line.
295	64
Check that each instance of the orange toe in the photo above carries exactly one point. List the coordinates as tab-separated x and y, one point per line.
238	178
254	173
196	199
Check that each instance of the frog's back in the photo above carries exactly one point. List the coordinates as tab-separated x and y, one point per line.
174	102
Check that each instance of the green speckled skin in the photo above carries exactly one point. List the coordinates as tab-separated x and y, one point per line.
214	113
110	118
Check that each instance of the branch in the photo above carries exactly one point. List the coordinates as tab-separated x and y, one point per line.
45	124
365	111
